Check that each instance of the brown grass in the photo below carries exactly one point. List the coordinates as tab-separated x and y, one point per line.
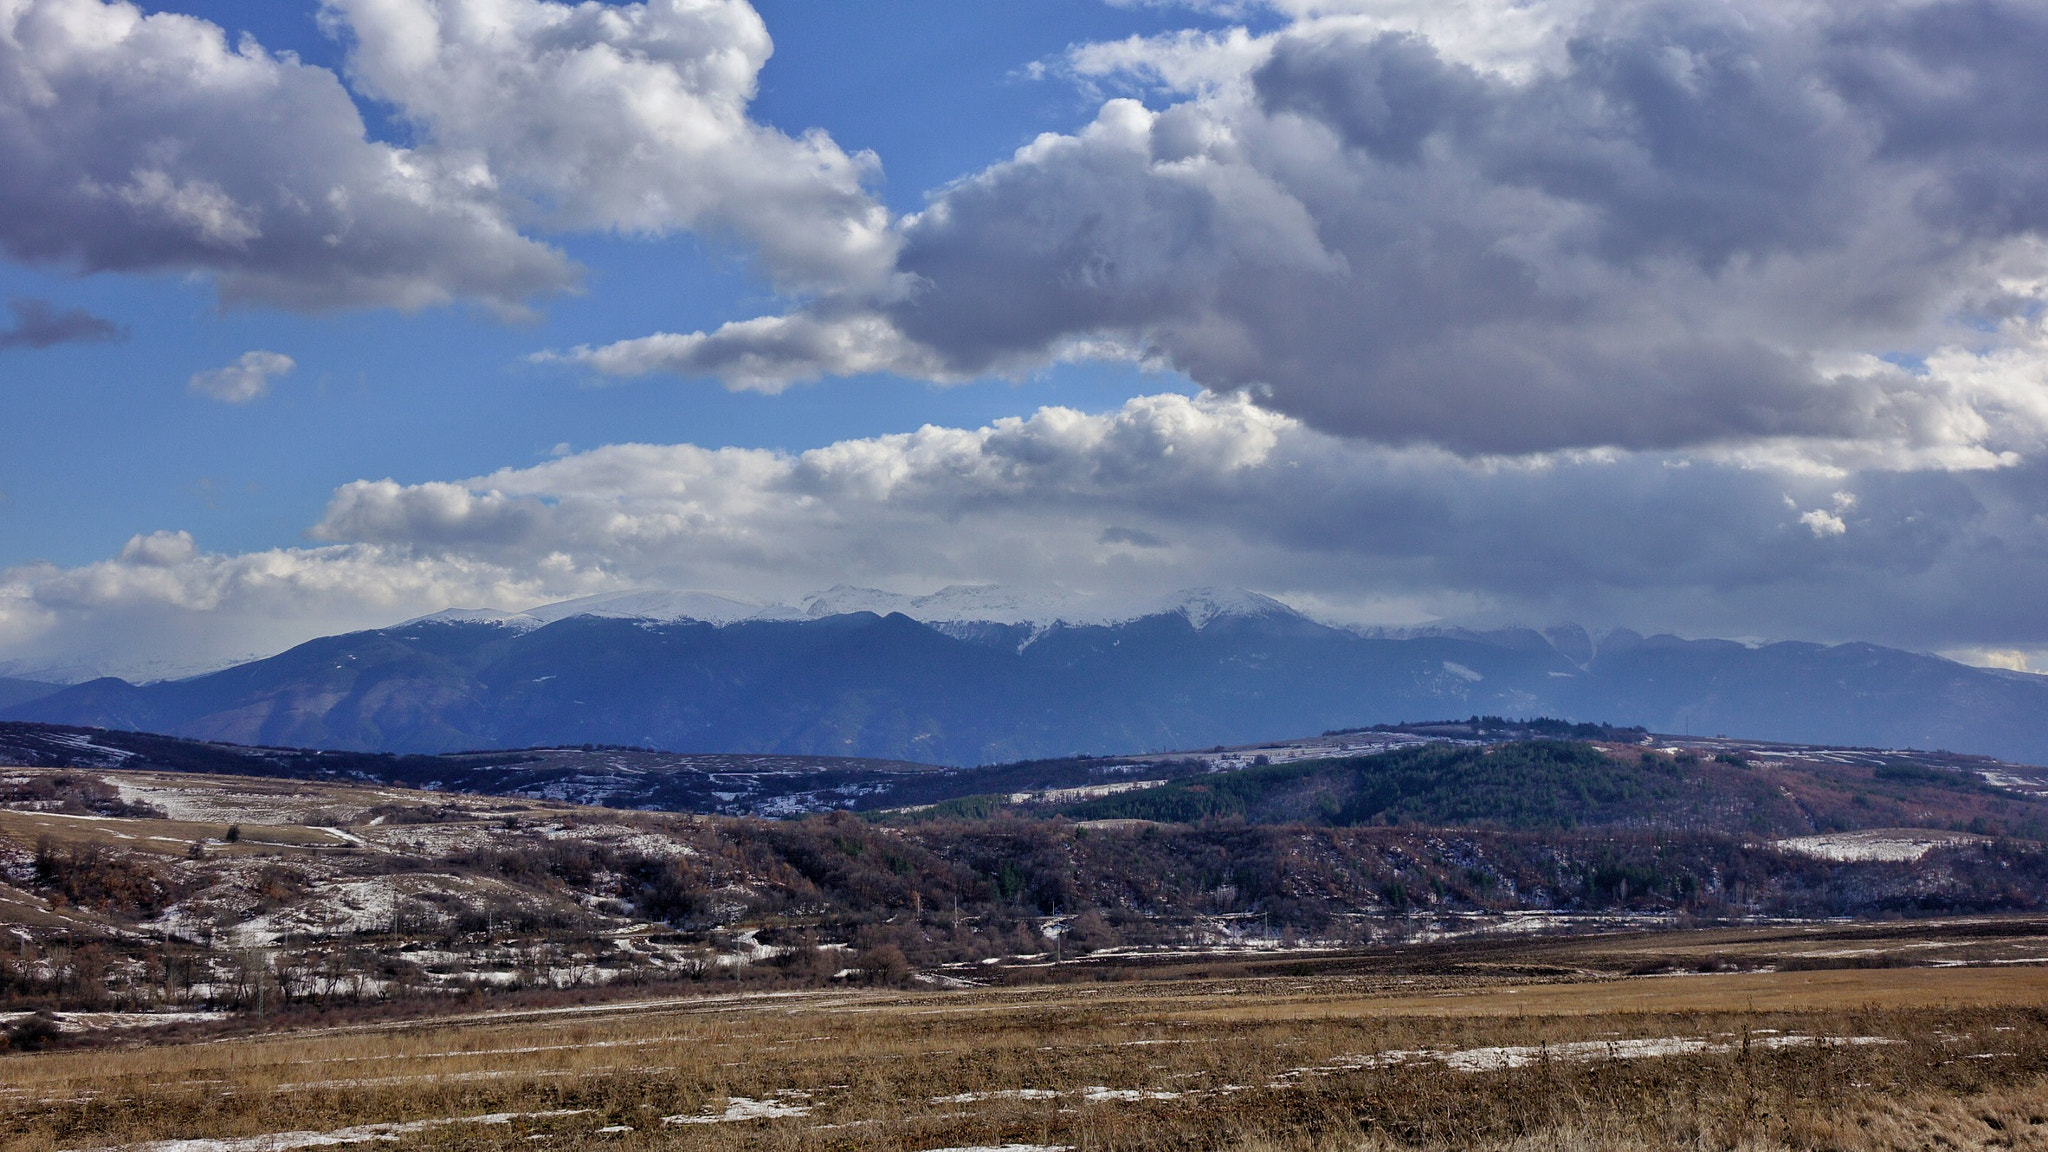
158	837
1254	1065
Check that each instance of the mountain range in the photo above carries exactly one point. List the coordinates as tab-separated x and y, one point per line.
981	675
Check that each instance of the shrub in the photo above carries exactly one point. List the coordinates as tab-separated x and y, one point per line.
883	964
34	1033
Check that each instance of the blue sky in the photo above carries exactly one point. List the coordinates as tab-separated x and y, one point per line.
106	441
1713	317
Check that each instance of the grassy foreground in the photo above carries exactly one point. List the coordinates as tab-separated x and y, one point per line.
1857	1058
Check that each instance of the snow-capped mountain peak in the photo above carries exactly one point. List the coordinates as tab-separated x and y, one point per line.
841	599
955	604
519	620
651	604
1202	605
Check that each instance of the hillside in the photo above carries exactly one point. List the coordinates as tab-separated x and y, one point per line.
618	777
1484	771
1548	785
1212	670
190	891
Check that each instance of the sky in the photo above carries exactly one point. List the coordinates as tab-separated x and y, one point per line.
1719	318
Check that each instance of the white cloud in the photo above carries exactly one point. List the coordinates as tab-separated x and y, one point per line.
244	380
1184	63
768	353
146	143
2006	659
1823	523
133	142
1513	227
159	550
630	117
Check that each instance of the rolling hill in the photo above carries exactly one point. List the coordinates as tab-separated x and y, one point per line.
1557	785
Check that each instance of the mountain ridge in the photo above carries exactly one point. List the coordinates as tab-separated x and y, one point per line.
1223	670
953	604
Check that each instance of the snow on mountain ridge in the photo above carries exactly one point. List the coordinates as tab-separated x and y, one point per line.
651	604
995	604
953	604
841	599
518	620
1202	605
957	604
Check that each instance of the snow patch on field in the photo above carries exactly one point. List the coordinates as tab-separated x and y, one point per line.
1005	1094
2013	782
1008	1148
335	908
738	1108
1891	845
360	1134
100	1021
1082	792
646	843
418	1077
1100	1094
1095	1094
1493	1059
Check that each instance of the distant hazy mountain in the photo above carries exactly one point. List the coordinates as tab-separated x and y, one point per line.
957	604
977	675
14	691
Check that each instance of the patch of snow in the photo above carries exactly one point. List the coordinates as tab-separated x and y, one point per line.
415	1078
346	837
1203	606
360	1134
739	1108
517	621
100	1021
650	604
1493	1059
1082	792
1005	1094
1102	1095
1896	845
1006	1148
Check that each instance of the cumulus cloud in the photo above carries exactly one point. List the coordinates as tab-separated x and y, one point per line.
146	143
630	117
39	324
769	353
244	380
1508	228
133	142
1823	523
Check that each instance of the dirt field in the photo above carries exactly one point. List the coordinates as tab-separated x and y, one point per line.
1844	1058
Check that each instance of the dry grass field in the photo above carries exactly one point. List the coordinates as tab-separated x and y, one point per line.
1839	1058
